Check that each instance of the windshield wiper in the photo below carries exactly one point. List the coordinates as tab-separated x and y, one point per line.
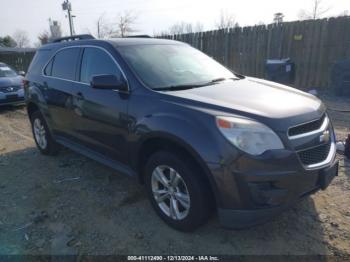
239	76
220	79
189	86
179	87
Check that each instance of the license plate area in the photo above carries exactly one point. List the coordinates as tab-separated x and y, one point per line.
326	176
12	97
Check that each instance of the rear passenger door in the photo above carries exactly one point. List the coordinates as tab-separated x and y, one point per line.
61	88
103	122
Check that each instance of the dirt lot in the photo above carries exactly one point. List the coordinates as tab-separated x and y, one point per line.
72	205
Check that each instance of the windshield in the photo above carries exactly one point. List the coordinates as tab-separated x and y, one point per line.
161	66
6	71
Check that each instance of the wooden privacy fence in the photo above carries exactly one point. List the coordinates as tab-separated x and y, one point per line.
313	45
19	60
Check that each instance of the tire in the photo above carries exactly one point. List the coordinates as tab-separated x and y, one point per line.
42	135
193	210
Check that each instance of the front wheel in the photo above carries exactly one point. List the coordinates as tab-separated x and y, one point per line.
42	136
177	192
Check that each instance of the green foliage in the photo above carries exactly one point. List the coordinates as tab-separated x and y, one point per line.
7	41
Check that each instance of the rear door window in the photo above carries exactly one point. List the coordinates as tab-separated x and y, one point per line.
65	63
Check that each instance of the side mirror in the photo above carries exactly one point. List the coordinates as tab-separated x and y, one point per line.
109	82
21	73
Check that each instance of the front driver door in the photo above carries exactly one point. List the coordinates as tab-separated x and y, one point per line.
103	122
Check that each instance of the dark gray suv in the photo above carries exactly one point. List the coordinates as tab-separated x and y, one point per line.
198	136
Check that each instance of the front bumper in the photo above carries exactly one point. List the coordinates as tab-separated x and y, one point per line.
276	200
12	98
251	191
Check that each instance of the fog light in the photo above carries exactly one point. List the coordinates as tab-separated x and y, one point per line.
266	194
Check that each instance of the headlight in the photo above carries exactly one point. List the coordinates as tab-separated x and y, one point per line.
248	135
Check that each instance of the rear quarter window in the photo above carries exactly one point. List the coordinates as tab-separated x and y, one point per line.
40	59
48	68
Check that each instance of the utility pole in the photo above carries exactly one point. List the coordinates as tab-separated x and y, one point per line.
67	6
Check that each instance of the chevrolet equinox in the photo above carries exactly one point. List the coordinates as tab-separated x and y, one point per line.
200	137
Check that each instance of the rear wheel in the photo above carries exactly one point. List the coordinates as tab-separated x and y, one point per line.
177	192
42	136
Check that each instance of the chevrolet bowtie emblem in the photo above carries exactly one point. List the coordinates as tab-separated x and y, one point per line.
324	138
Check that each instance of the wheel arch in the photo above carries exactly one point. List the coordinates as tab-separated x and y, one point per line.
31	108
161	141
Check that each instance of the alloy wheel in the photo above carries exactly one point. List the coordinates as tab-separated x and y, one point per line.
40	133
170	192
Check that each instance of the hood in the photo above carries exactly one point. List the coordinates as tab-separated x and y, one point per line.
256	97
11	81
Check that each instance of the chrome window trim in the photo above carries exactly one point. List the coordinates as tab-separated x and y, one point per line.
83	46
321	129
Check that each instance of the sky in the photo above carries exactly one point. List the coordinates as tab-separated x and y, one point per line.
153	15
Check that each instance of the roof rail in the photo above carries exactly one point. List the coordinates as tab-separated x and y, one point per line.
138	36
72	38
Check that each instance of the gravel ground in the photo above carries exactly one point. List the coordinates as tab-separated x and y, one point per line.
69	204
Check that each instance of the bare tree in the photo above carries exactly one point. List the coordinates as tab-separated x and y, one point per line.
44	37
160	33
198	27
182	28
21	37
318	11
344	13
103	27
125	24
226	20
99	26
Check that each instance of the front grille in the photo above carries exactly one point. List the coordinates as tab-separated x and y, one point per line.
314	155
305	128
9	89
11	98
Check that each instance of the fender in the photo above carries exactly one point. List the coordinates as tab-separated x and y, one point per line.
190	136
193	136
